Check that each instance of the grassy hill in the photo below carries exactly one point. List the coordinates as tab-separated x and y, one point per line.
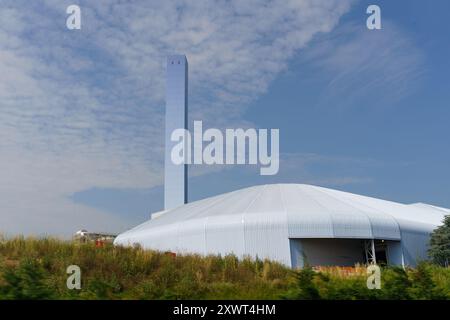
36	269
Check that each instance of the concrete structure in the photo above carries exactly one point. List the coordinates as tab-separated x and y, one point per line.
175	186
292	224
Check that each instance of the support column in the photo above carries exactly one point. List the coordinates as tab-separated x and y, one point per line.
369	248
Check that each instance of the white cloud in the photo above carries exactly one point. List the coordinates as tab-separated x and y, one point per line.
325	170
367	67
84	109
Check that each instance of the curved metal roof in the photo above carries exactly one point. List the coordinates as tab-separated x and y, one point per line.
297	210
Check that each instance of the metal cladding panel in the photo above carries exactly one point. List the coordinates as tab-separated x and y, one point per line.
347	222
347	225
235	203
192	236
267	200
225	235
308	220
266	236
397	211
429	206
414	246
414	240
383	225
165	237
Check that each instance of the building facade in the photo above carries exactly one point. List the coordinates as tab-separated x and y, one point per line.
294	224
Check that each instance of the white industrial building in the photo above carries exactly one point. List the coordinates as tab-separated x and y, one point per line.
289	223
292	222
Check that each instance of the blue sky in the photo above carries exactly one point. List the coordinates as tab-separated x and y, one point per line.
358	110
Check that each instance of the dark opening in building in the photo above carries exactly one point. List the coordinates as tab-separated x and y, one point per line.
338	252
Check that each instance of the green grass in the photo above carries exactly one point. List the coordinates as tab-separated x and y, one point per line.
36	269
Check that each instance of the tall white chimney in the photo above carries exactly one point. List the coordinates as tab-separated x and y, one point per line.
175	176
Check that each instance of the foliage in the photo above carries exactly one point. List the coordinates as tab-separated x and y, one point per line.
36	269
424	282
440	244
26	282
306	289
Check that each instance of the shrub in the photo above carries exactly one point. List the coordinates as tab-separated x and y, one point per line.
26	282
422	284
440	244
36	269
306	288
396	284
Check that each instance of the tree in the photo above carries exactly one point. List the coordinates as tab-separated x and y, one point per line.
440	244
26	282
305	288
422	284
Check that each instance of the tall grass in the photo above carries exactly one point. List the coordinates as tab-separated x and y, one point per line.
36	269
133	273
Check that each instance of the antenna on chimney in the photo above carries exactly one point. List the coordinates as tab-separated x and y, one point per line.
175	176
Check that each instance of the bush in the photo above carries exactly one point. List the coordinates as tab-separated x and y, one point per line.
396	284
36	269
25	282
440	244
306	288
423	286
